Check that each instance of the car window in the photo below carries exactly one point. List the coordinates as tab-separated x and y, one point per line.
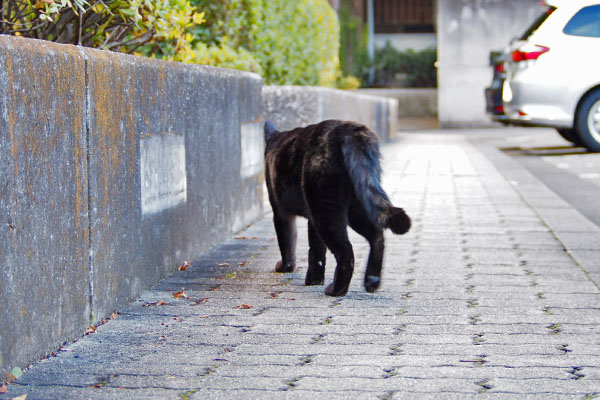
537	23
585	23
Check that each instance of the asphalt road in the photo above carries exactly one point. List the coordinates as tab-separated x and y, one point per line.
571	172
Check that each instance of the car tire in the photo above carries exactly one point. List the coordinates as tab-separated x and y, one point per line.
587	121
570	135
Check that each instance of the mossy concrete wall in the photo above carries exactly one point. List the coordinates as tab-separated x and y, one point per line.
115	170
292	106
44	224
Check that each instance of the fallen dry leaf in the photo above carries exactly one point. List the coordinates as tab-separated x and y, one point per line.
3	389
241	238
184	266
158	304
244	306
91	329
179	294
224	265
114	316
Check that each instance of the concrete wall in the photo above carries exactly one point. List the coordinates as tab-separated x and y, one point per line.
115	169
405	41
467	31
412	102
292	106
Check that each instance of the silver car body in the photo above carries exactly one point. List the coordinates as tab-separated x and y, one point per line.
546	91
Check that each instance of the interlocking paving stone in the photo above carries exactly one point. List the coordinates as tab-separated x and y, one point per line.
483	298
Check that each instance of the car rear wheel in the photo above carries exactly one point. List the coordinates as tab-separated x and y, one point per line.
570	135
587	121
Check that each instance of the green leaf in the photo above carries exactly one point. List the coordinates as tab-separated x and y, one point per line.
17	372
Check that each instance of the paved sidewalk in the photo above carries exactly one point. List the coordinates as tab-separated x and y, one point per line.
493	294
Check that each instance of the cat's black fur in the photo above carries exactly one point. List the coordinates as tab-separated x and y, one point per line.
329	173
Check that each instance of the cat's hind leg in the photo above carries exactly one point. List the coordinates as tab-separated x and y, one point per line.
361	224
373	273
331	224
316	258
285	228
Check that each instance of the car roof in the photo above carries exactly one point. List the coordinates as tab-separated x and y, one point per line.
572	3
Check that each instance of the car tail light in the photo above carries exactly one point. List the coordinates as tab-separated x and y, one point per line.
499	109
529	52
500	68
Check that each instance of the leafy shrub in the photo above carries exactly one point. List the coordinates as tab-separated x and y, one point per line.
395	68
347	82
122	25
224	56
293	41
287	41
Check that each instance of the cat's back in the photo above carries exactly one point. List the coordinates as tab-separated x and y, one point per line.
322	141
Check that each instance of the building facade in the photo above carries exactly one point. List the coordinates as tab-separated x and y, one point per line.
405	24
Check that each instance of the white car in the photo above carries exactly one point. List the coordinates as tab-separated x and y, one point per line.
553	72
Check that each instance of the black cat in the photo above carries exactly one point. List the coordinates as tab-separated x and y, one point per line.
329	173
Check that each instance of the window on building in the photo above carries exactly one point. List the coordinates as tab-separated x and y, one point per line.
404	16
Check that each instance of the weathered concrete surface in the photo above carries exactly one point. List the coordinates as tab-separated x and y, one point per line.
166	176
115	170
481	299
412	102
292	106
467	31
44	289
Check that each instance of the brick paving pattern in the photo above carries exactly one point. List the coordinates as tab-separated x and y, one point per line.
481	299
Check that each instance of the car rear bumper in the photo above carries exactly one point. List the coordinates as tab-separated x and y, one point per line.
534	105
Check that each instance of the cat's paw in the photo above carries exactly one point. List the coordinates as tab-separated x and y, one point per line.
281	267
332	291
315	275
372	283
314	280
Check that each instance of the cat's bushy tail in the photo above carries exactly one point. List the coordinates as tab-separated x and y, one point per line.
361	158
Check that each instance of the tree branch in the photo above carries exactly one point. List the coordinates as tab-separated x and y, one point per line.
145	38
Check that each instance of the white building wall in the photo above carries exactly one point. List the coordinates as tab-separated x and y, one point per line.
467	31
405	41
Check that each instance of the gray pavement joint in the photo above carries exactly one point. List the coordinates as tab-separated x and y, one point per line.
563	232
479	300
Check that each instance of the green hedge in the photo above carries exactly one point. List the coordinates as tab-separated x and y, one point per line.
287	41
394	68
